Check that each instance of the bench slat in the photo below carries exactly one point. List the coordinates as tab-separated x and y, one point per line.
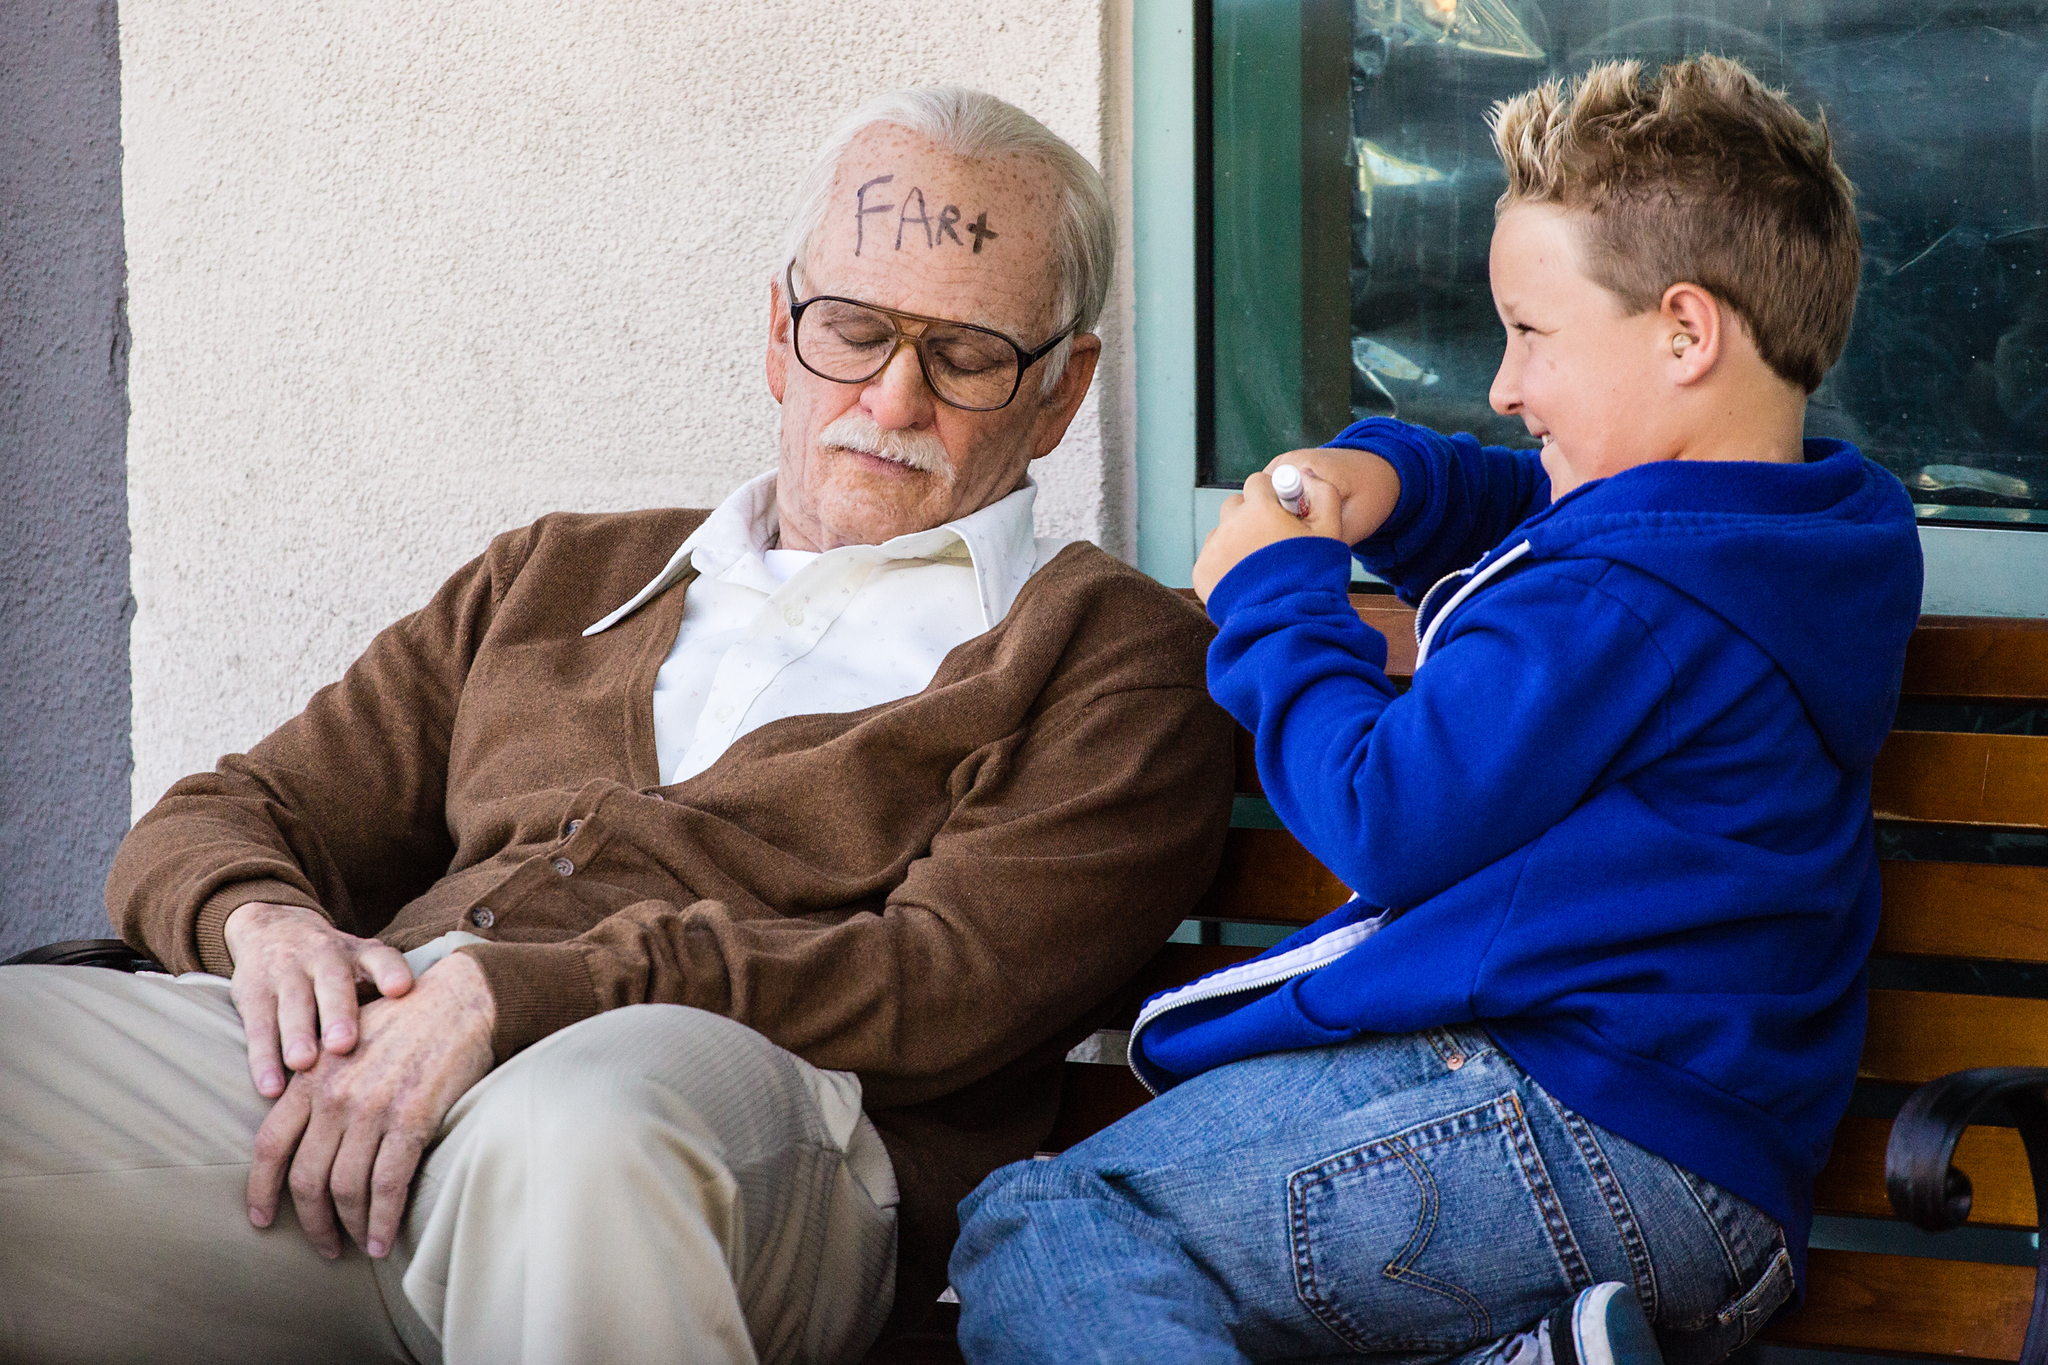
2007	917
1176	964
1267	877
1926	776
1092	1096
1994	1158
1981	657
1916	1036
1397	623
1862	1301
1962	779
1243	752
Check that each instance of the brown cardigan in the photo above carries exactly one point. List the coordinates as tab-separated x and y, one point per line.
937	893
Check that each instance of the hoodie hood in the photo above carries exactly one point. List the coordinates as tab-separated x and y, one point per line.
1780	552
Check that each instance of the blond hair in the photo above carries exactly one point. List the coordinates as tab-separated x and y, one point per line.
1701	174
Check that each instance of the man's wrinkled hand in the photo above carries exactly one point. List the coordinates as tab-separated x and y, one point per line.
1254	519
295	986
350	1131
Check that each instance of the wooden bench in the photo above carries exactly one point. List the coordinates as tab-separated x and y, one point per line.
1935	913
1942	919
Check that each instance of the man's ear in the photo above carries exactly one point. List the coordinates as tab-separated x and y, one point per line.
778	340
1056	412
1695	326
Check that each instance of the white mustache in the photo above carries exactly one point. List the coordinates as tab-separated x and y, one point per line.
920	450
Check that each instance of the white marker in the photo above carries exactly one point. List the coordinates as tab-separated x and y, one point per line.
1289	488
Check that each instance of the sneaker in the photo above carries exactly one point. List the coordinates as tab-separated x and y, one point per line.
1602	1326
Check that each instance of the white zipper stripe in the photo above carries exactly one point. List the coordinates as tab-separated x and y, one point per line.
1429	636
1251	976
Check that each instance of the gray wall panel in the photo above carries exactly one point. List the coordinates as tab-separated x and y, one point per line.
64	601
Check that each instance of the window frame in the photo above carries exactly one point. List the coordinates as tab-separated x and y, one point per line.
1971	571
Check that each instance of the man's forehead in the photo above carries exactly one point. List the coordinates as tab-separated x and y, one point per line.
903	212
1014	181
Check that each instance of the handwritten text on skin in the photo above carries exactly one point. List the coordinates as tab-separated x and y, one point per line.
912	211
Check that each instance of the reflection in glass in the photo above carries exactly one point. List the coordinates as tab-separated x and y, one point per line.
1492	28
1940	115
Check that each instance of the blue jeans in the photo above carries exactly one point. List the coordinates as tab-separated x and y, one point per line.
1402	1198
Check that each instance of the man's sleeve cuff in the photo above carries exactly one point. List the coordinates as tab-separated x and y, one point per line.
536	988
209	931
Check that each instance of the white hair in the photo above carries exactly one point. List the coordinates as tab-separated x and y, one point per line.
968	123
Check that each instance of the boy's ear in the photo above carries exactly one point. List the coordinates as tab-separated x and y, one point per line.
1697	325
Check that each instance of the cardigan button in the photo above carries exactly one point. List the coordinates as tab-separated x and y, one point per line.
482	917
564	866
574	825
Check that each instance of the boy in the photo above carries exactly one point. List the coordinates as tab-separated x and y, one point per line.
1579	1078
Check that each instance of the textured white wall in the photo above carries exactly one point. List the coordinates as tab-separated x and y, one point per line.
402	276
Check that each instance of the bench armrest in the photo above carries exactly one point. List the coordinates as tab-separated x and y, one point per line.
1926	1190
1933	1195
86	952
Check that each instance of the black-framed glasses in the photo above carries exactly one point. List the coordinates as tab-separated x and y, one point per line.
850	342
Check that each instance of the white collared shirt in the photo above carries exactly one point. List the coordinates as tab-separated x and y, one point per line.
807	633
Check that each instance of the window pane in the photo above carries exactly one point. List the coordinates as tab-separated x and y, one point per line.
1940	115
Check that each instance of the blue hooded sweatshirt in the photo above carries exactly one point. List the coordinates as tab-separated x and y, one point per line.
1621	818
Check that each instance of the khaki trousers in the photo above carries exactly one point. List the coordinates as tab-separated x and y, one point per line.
653	1184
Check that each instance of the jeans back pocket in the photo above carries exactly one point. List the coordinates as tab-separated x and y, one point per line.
1434	1238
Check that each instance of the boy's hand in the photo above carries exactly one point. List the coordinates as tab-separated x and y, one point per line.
1254	519
1363	486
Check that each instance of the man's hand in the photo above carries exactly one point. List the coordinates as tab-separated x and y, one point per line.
295	986
353	1127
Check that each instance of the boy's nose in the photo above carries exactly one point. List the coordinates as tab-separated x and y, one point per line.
1502	394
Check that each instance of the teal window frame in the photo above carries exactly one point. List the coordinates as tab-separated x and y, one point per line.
1971	571
1165	329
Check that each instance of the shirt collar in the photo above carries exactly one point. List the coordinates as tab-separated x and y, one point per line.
997	539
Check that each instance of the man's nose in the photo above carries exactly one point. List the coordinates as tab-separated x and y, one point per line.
898	398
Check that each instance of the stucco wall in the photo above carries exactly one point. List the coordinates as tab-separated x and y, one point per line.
404	276
63	512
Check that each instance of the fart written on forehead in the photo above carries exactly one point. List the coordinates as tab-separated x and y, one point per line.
938	228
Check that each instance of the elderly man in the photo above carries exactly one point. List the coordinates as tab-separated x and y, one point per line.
723	889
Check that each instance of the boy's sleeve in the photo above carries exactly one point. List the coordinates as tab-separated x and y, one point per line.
1459	499
1548	689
